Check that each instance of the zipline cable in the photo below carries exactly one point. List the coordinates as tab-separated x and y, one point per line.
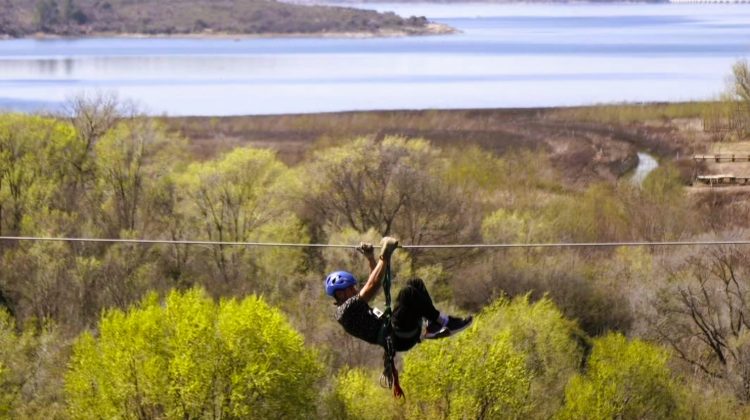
426	246
170	242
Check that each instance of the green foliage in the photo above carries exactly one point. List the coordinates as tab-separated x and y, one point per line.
31	364
193	358
741	73
356	395
230	195
658	209
341	258
513	362
37	277
131	159
617	212
105	174
698	401
663	185
33	166
235	198
49	280
623	379
473	167
279	262
396	185
591	292
739	100
505	226
599	215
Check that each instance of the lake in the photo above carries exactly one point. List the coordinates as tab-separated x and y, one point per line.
505	56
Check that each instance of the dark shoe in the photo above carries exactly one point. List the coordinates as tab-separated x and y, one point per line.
456	325
436	330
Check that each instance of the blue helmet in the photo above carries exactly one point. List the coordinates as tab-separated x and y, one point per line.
339	280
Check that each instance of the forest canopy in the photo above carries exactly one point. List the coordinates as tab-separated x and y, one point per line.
173	330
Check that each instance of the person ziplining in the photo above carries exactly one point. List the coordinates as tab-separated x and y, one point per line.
396	331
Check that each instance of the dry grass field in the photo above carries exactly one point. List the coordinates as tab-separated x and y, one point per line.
582	147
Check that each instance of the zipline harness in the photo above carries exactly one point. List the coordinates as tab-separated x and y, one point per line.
389	377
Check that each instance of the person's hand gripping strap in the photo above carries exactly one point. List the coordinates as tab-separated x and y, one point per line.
388	245
366	249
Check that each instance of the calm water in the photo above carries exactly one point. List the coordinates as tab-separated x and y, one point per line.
506	56
646	165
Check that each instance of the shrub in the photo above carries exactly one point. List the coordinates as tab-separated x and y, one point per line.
192	358
31	364
624	379
357	395
513	362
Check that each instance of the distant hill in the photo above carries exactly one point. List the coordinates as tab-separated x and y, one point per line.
20	18
359	2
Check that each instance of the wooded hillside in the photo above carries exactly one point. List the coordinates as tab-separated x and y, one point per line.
174	331
177	331
151	17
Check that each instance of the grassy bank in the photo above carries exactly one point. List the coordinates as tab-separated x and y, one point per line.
635	113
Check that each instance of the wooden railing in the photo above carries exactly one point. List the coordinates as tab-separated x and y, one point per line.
713	180
733	157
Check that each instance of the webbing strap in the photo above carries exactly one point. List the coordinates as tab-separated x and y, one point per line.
390	373
387	290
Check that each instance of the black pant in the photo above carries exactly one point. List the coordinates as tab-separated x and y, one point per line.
412	305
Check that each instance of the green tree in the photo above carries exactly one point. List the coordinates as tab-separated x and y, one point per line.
740	96
193	358
357	395
660	210
394	186
383	185
503	226
32	166
131	158
623	379
472	167
512	363
55	280
598	215
741	73
234	198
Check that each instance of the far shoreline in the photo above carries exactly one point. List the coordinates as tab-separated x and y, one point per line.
596	106
431	29
511	110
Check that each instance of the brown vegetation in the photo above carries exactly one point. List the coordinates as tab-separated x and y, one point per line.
583	151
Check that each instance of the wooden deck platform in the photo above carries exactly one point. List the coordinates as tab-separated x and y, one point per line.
725	179
725	157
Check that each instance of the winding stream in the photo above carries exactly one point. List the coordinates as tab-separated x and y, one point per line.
646	164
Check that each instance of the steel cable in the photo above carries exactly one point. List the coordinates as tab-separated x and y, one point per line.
422	246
